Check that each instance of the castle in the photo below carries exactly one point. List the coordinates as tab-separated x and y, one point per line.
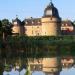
49	25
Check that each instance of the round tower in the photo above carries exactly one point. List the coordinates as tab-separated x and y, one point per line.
51	21
51	66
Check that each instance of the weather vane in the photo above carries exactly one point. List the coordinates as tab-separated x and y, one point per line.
16	16
50	0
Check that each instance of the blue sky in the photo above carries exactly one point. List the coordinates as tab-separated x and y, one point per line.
27	8
70	71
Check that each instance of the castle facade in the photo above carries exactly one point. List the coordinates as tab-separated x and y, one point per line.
49	25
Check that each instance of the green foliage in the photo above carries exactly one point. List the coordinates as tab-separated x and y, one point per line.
5	22
0	28
39	47
28	71
5	28
7	67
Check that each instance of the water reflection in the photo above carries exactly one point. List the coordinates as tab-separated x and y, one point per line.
38	73
70	71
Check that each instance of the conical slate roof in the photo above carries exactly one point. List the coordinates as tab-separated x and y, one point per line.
53	9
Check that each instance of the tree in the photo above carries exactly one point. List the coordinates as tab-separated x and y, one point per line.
0	28
6	28
74	22
28	71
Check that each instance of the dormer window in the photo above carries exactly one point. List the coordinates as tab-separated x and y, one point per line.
26	22
32	22
15	23
62	25
66	24
49	12
38	22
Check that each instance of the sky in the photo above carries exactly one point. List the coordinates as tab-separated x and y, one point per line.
35	8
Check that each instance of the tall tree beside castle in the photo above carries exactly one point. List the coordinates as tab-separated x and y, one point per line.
0	28
5	28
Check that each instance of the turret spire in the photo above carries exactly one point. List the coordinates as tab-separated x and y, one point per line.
16	16
50	1
51	4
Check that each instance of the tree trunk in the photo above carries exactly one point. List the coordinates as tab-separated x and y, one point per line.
1	68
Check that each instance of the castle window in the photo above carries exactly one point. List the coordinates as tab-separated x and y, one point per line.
32	22
51	18
62	24
38	22
66	24
26	22
15	23
37	26
37	34
32	31
45	32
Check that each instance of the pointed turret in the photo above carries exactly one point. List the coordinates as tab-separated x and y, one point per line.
51	10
